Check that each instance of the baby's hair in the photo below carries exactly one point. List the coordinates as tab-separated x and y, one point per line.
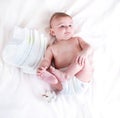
58	15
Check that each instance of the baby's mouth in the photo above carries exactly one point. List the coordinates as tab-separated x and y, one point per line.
67	33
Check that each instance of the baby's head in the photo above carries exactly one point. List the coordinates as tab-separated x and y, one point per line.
61	26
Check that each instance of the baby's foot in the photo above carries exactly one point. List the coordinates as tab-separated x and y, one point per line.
61	76
57	87
48	77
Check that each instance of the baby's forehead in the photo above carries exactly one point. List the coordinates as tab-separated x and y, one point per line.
61	20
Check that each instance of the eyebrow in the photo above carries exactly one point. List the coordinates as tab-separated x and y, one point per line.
63	23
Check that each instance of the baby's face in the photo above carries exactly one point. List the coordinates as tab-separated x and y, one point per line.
62	28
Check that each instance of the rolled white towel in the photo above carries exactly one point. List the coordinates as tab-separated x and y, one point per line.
25	49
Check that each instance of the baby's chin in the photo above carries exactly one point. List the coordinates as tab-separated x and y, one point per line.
67	37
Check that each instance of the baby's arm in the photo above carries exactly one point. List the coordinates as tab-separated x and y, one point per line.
86	48
46	62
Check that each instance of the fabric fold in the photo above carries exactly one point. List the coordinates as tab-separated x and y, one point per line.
25	49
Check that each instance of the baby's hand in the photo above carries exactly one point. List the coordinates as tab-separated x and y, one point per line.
81	58
40	70
83	54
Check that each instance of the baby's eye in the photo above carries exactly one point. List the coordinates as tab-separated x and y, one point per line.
62	26
70	25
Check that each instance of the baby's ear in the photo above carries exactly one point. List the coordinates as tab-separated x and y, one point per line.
52	33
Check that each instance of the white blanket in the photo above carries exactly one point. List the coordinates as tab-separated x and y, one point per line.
25	49
98	23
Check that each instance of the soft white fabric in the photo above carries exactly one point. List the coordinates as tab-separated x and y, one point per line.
74	86
98	23
25	49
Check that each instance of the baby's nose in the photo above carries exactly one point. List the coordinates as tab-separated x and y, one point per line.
67	27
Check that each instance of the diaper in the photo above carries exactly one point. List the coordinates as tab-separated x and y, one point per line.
74	86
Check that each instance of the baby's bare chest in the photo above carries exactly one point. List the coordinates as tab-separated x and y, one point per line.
65	54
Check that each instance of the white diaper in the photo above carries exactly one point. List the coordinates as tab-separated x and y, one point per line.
74	86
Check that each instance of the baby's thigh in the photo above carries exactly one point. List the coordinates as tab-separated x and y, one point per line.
86	73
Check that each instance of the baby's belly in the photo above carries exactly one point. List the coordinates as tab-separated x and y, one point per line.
62	63
65	60
59	66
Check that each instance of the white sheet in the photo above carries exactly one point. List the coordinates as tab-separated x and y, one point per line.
96	21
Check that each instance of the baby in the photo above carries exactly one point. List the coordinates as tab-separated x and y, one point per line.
68	52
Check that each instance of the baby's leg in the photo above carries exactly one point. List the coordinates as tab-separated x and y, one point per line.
86	73
61	76
75	67
70	72
48	77
57	87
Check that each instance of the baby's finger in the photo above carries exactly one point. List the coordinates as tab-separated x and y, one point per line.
77	59
80	60
83	61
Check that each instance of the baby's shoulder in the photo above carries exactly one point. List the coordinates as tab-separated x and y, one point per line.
76	37
52	46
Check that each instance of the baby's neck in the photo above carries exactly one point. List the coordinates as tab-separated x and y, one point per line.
59	40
